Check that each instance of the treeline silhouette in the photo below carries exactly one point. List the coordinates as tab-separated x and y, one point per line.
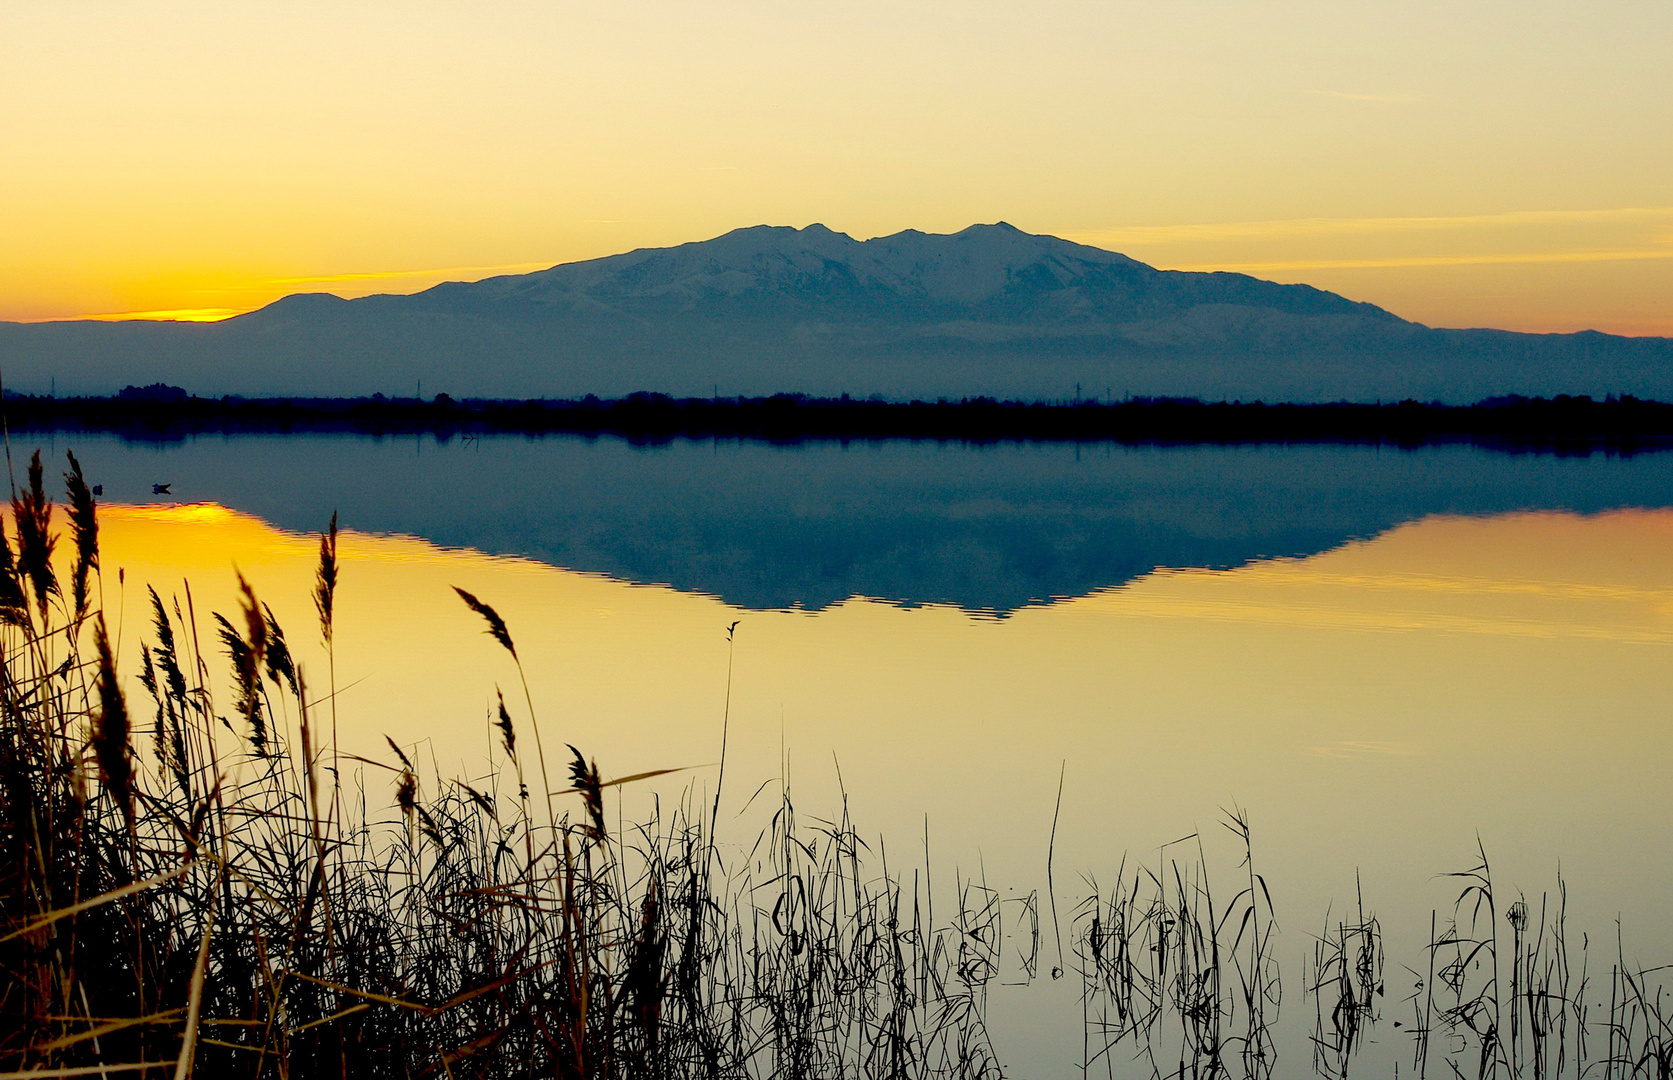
1577	423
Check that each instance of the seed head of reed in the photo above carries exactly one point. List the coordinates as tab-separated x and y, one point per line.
496	625
254	623
281	667
14	609
147	670
32	514
406	792
325	579
406	763
508	734
584	776
148	679
167	659
247	656
482	800
111	730
84	528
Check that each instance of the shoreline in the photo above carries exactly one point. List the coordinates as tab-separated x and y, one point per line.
1562	424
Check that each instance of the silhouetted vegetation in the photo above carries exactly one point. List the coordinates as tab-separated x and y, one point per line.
190	887
1565	424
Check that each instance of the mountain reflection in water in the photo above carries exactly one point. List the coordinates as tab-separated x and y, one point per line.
992	528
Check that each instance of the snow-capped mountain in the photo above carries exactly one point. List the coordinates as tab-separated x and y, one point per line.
989	310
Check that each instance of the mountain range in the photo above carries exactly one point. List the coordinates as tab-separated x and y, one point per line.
990	310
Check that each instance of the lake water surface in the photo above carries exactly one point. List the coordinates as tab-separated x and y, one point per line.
1381	656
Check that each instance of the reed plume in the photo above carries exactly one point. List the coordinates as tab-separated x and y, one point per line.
508	734
162	678
14	607
496	625
32	517
248	654
502	634
111	732
406	792
84	530
325	602
281	666
584	776
325	580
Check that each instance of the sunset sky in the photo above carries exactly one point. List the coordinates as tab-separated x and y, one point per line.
1461	163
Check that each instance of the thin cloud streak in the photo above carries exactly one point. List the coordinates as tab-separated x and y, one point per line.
402	275
1380	99
1360	748
1435	260
1310	227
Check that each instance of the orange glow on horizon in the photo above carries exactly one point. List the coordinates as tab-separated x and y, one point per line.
175	315
255	293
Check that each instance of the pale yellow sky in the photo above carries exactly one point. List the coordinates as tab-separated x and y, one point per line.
1462	163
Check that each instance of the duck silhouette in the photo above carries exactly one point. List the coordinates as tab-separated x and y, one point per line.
161	489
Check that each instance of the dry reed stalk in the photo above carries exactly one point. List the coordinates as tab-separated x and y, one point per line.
500	633
194	1000
325	603
84	530
111	735
32	517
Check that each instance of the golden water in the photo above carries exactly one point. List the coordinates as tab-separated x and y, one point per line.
1374	708
1373	705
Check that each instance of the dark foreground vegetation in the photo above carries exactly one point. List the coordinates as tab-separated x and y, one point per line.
196	883
1577	424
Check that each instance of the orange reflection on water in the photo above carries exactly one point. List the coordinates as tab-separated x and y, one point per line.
1379	703
1526	575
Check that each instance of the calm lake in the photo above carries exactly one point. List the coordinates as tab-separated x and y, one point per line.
1381	656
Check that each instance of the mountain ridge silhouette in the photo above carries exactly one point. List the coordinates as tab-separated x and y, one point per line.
976	270
989	310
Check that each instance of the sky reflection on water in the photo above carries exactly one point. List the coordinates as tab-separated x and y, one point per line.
1383	700
1374	707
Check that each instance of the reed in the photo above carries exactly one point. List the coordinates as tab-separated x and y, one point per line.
1346	985
199	903
1173	980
